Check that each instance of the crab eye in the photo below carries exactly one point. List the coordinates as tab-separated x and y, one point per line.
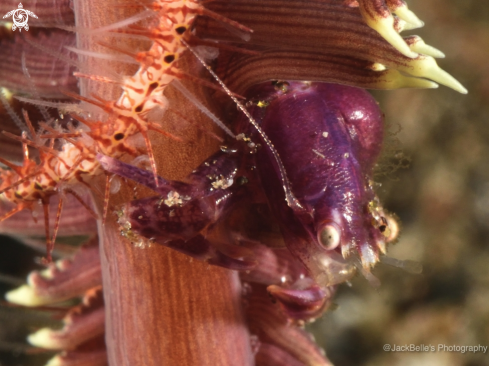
329	237
391	230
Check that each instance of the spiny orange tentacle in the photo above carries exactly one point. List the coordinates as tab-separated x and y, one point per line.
118	49
14	167
103	79
60	135
20	181
84	99
75	161
29	124
12	212
83	203
56	134
84	121
27	142
155	127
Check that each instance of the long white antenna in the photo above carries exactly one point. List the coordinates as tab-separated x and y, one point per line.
292	201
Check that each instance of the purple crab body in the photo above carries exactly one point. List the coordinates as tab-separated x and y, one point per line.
328	138
310	161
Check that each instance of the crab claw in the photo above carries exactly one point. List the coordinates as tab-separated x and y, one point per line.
302	304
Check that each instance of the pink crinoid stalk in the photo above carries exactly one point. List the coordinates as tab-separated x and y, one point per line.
151	304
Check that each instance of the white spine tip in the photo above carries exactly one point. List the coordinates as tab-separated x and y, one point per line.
426	67
448	80
378	67
382	247
43	338
385	27
409	17
7	93
405	26
409	54
420	46
23	295
462	90
368	256
55	361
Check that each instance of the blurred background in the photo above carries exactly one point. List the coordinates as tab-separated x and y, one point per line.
441	198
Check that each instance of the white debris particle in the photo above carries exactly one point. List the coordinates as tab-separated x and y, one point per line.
378	67
318	153
346	155
222	183
143	243
173	199
325	134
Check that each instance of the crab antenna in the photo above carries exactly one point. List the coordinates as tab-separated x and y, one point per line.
292	201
